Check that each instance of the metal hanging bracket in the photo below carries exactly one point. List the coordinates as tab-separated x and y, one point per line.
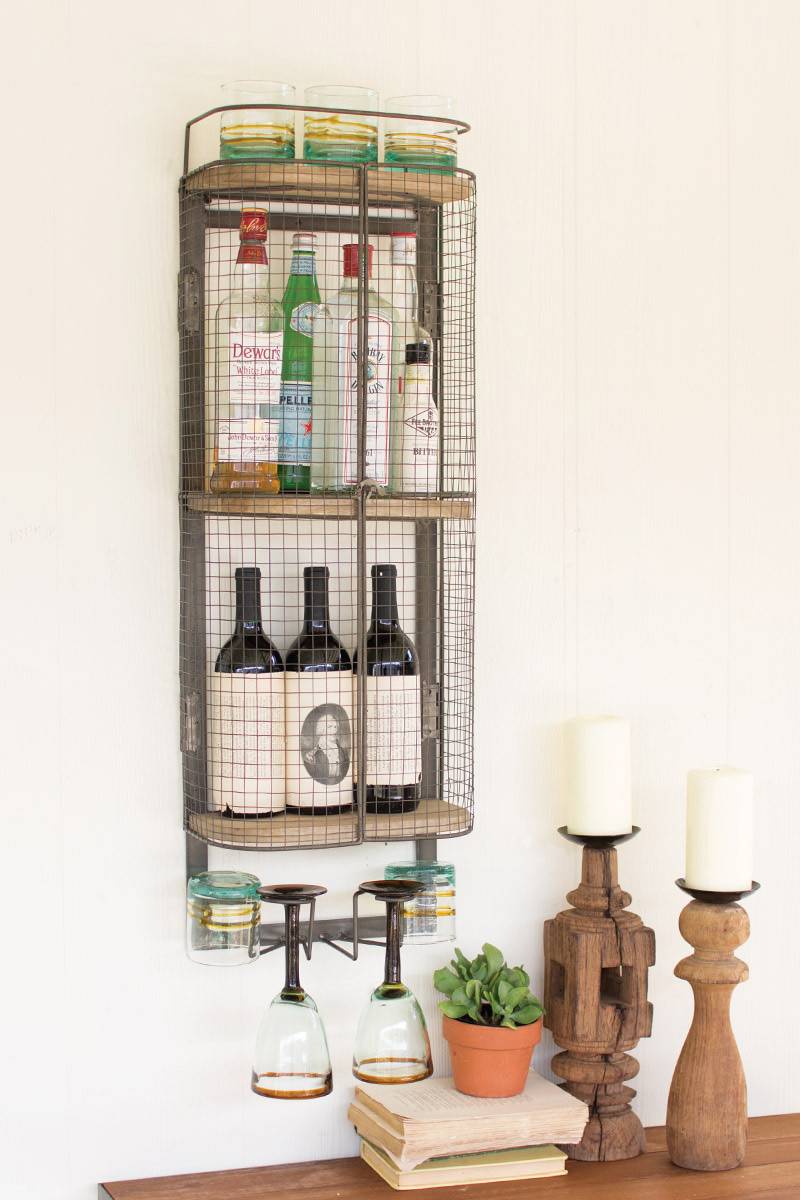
273	936
332	931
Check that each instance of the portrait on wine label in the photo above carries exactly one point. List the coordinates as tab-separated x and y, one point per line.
325	744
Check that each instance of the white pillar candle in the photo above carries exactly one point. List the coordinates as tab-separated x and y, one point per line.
598	775
719	830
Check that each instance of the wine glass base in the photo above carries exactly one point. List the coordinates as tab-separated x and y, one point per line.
392	1070
298	1086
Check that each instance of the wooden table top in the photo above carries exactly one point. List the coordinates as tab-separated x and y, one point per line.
771	1171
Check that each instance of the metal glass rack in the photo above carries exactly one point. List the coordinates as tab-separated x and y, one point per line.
428	535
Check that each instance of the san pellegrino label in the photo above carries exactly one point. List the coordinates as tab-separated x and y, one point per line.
379	390
394	730
302	264
320	743
300	303
246	742
295	432
302	318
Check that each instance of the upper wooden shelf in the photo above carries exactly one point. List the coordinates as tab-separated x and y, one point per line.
379	508
330	182
288	831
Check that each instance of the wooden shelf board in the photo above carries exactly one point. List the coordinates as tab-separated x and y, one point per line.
431	819
330	183
771	1171
381	508
287	831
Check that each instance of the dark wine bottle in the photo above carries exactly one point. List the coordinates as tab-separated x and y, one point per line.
319	709
249	651
394	725
246	713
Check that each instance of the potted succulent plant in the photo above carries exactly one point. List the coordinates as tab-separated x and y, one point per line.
492	1021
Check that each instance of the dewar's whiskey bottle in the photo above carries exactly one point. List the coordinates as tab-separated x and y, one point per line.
247	350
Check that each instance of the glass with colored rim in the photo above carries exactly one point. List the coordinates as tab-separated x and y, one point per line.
340	136
429	916
256	132
424	145
223	913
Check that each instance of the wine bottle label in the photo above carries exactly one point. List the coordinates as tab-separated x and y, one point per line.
394	730
248	439
379	389
319	738
254	365
246	742
302	318
295	433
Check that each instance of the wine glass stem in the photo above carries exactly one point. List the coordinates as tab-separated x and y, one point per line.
292	937
392	967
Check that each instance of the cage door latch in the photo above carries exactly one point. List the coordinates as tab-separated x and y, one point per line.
430	710
431	308
189	300
190	725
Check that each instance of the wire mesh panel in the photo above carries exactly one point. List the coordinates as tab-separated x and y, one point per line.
327	398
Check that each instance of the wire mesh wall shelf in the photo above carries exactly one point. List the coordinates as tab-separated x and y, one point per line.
326	319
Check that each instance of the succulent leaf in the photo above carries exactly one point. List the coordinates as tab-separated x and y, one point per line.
444	980
456	1011
486	991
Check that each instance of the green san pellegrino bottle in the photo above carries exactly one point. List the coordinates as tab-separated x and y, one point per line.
299	304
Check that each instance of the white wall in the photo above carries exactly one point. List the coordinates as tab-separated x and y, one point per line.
638	307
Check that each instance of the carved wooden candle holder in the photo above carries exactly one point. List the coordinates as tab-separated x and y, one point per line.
707	1107
597	957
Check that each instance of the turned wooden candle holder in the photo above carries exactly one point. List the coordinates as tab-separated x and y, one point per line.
597	957
707	1107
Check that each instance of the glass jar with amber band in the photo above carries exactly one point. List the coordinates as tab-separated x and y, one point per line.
223	914
430	915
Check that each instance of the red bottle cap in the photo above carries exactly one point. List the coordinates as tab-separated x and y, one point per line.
253	225
351	261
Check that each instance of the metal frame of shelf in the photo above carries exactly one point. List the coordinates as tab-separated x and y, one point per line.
285	188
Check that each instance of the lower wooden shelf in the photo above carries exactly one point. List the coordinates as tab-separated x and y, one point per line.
337	508
288	831
771	1171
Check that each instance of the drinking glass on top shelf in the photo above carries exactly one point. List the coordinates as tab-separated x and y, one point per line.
340	136
256	132
421	144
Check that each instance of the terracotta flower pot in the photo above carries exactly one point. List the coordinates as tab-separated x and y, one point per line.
490	1061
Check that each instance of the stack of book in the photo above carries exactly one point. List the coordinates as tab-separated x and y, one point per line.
429	1135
